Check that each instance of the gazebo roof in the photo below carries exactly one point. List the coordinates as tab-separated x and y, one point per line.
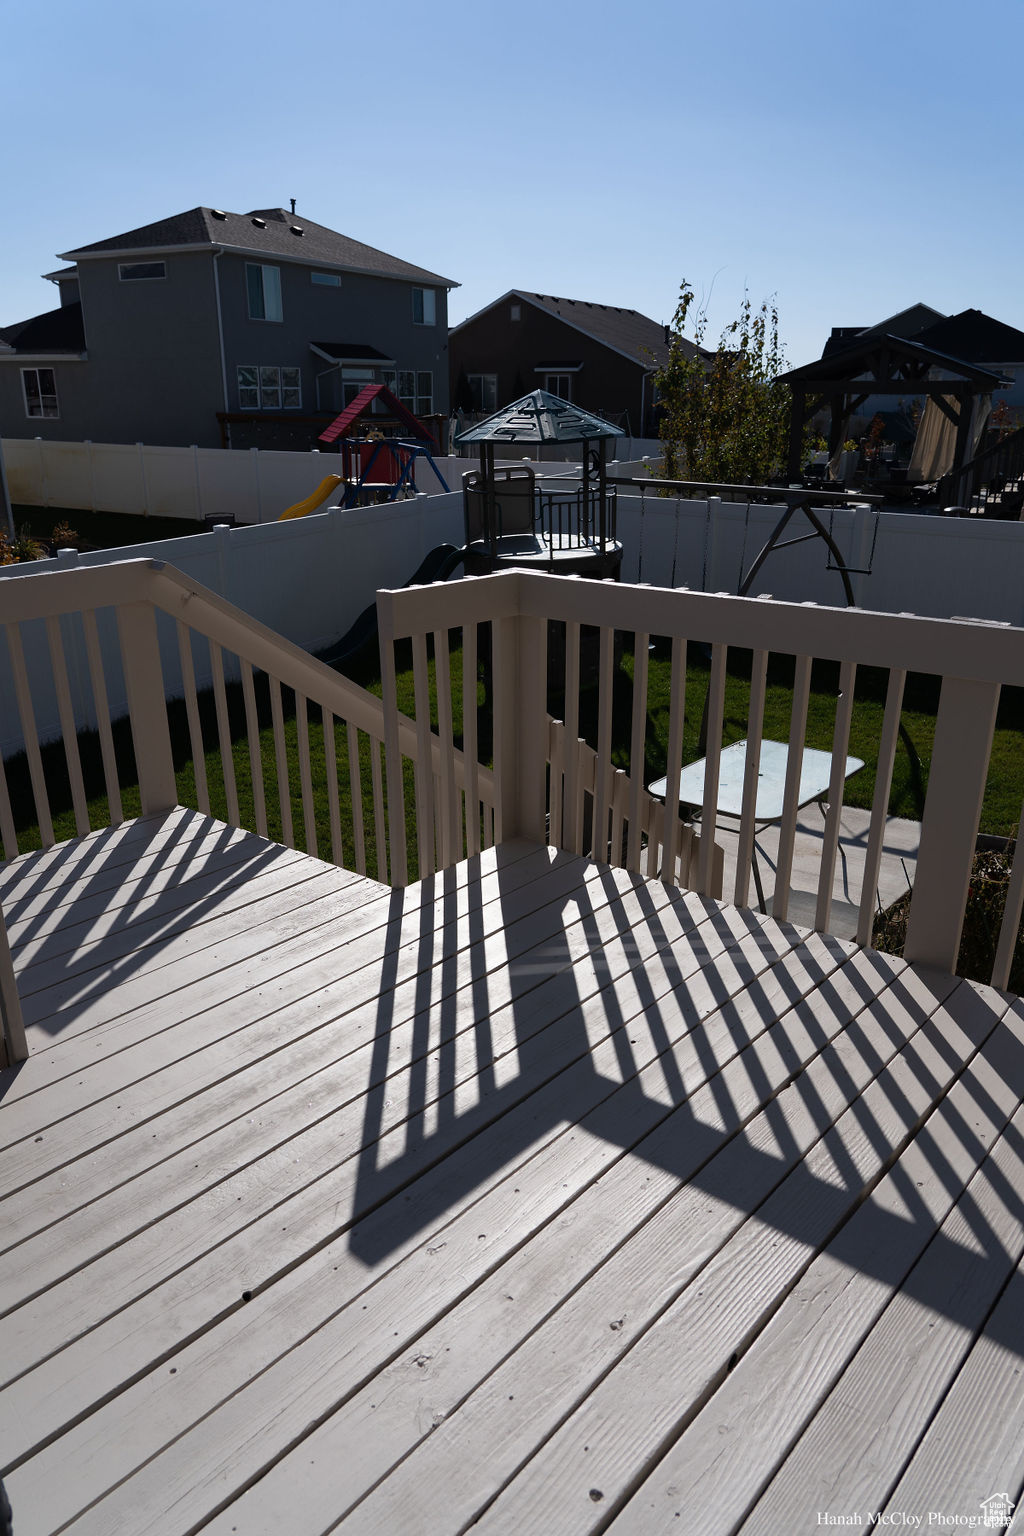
887	365
539	418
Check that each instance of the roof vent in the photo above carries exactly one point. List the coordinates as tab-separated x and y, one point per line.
218	213
297	229
260	223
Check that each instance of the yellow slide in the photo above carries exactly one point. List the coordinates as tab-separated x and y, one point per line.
311	503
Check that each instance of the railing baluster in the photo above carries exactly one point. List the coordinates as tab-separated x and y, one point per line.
305	775
1010	927
195	729
572	813
451	836
393	765
284	788
837	778
713	750
637	747
556	757
602	787
66	712
355	784
751	767
13	1045
423	776
252	729
99	695
28	727
470	745
880	803
224	735
333	801
676	720
380	826
7	828
620	792
791	794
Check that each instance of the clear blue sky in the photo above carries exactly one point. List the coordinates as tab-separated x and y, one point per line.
850	160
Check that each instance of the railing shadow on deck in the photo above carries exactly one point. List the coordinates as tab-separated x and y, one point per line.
63	970
622	1064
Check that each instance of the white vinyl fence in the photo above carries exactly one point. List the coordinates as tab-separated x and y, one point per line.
250	486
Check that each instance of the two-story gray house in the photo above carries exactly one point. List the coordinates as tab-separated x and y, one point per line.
169	333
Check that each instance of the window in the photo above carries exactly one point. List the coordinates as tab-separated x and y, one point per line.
141	271
484	387
262	388
263	286
326	279
559	384
40	389
424	310
424	393
407	388
515	311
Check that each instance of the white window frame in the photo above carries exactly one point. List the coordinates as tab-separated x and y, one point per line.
43	414
270	292
425	300
424	392
485	389
326	279
132	272
266	387
550	382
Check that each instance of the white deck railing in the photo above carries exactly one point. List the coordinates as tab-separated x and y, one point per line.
546	784
973	661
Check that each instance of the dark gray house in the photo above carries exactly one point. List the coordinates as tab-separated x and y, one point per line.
594	355
211	326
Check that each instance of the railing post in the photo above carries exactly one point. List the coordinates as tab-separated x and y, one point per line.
143	676
949	827
519	663
13	1046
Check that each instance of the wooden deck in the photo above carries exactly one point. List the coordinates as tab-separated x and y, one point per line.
536	1198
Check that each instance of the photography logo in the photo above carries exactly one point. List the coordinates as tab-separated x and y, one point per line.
998	1512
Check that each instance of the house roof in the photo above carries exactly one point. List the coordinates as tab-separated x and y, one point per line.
975	336
262	231
539	418
58	331
625	331
907	323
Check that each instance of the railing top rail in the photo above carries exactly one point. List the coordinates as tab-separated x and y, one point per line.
777	495
965	648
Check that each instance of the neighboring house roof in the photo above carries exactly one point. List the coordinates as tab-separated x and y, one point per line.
58	331
907	323
539	418
975	336
625	331
265	232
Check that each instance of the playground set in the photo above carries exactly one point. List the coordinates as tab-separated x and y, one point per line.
374	468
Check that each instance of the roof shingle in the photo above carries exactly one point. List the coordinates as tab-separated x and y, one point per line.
270	231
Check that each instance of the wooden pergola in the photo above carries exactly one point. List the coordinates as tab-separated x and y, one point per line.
884	365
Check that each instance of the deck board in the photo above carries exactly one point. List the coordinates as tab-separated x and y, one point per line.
525	1199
